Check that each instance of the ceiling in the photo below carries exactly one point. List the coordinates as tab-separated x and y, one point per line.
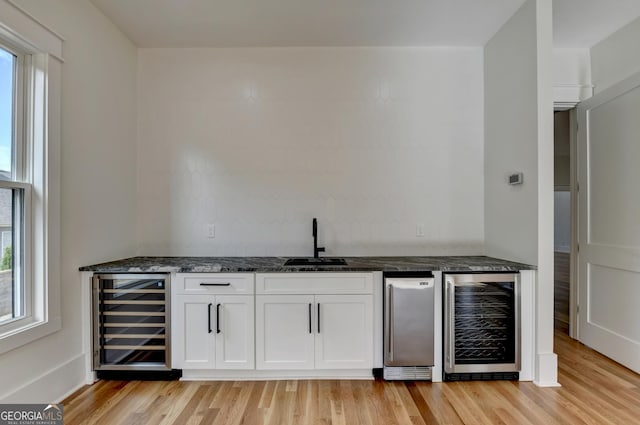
583	23
257	23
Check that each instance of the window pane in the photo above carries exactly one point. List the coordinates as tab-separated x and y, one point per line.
7	81
11	292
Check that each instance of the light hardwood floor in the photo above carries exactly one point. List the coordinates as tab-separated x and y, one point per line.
561	291
595	390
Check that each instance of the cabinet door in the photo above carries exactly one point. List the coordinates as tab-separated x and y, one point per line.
234	332
193	332
344	332
284	332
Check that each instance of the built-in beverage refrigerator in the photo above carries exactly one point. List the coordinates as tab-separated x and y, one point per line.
131	322
409	304
481	326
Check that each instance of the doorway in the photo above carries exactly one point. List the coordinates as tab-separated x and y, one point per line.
562	220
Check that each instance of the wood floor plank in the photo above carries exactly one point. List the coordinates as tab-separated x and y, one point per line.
470	412
561	291
114	400
440	406
161	405
177	400
359	401
254	413
421	404
400	415
510	393
267	395
190	409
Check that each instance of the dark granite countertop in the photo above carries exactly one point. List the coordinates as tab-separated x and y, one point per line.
276	264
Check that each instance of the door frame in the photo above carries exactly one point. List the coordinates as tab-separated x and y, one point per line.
574	250
573	189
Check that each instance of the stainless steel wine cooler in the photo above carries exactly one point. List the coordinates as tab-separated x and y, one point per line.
131	322
481	326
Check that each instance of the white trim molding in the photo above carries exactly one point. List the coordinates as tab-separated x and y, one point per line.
20	25
64	379
42	129
567	96
262	375
527	324
547	370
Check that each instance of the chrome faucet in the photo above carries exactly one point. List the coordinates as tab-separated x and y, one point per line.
316	249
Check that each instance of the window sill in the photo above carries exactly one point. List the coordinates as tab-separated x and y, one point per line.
28	333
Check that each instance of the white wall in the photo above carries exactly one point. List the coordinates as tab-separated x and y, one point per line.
616	57
571	75
511	139
571	66
519	137
98	201
372	141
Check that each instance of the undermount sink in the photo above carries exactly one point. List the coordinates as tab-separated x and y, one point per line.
310	261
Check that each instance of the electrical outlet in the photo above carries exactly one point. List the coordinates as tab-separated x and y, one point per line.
211	231
420	230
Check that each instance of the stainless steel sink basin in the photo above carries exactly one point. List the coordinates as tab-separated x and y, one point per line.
310	261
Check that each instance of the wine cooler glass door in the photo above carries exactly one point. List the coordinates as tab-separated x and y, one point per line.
130	322
482	323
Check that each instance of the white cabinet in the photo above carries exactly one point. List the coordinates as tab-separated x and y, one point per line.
314	283
284	332
315	323
212	330
235	347
321	330
344	332
193	341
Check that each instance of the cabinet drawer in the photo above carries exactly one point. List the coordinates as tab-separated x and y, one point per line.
314	283
214	283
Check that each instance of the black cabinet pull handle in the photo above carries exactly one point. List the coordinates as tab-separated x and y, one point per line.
310	307
209	317
318	317
218	318
215	284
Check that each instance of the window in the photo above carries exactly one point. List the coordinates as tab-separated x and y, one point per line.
15	193
30	82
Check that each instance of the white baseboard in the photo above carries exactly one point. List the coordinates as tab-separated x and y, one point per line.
52	386
262	375
547	370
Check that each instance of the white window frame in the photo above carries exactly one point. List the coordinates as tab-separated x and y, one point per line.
20	179
24	269
38	131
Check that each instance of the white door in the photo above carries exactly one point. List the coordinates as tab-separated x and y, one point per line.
609	222
193	332
234	332
344	331
284	332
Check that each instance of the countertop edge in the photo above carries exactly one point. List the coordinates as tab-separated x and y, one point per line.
275	265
